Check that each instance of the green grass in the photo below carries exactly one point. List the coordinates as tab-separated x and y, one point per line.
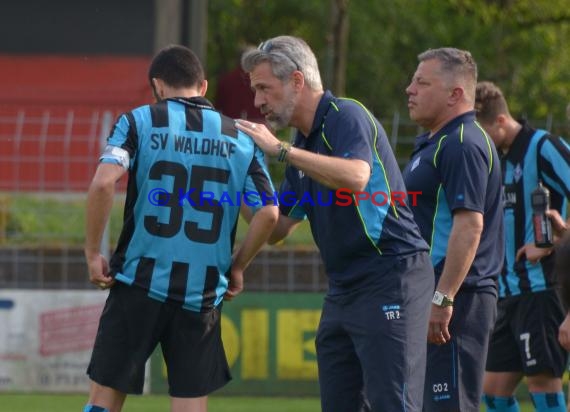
48	220
154	403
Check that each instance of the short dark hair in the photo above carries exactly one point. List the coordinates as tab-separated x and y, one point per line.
456	64
177	66
489	102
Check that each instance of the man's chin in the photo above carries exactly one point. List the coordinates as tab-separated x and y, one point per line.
275	125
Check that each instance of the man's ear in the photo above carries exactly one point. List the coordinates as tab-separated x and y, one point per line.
157	88
501	120
298	80
456	95
203	88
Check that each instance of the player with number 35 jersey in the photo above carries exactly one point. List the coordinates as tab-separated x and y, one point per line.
182	198
189	169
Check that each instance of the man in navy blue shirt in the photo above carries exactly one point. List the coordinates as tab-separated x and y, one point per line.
530	313
173	264
455	166
342	175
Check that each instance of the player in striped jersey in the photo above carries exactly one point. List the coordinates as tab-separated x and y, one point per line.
173	264
529	310
524	341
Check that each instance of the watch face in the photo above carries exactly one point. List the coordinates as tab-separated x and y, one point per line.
437	298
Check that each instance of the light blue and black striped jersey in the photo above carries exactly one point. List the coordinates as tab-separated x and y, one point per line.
534	155
188	168
360	235
458	168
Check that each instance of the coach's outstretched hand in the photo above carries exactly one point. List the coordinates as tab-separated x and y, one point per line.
262	136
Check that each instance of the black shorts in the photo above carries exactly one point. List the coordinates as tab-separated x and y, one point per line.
454	375
131	326
525	338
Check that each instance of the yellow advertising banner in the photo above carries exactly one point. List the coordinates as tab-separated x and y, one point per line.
270	345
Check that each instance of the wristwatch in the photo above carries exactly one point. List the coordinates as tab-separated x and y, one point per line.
284	149
441	300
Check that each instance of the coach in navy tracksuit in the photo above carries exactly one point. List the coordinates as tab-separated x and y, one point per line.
456	167
371	337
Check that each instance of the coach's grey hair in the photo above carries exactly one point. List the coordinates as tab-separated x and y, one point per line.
459	64
285	54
